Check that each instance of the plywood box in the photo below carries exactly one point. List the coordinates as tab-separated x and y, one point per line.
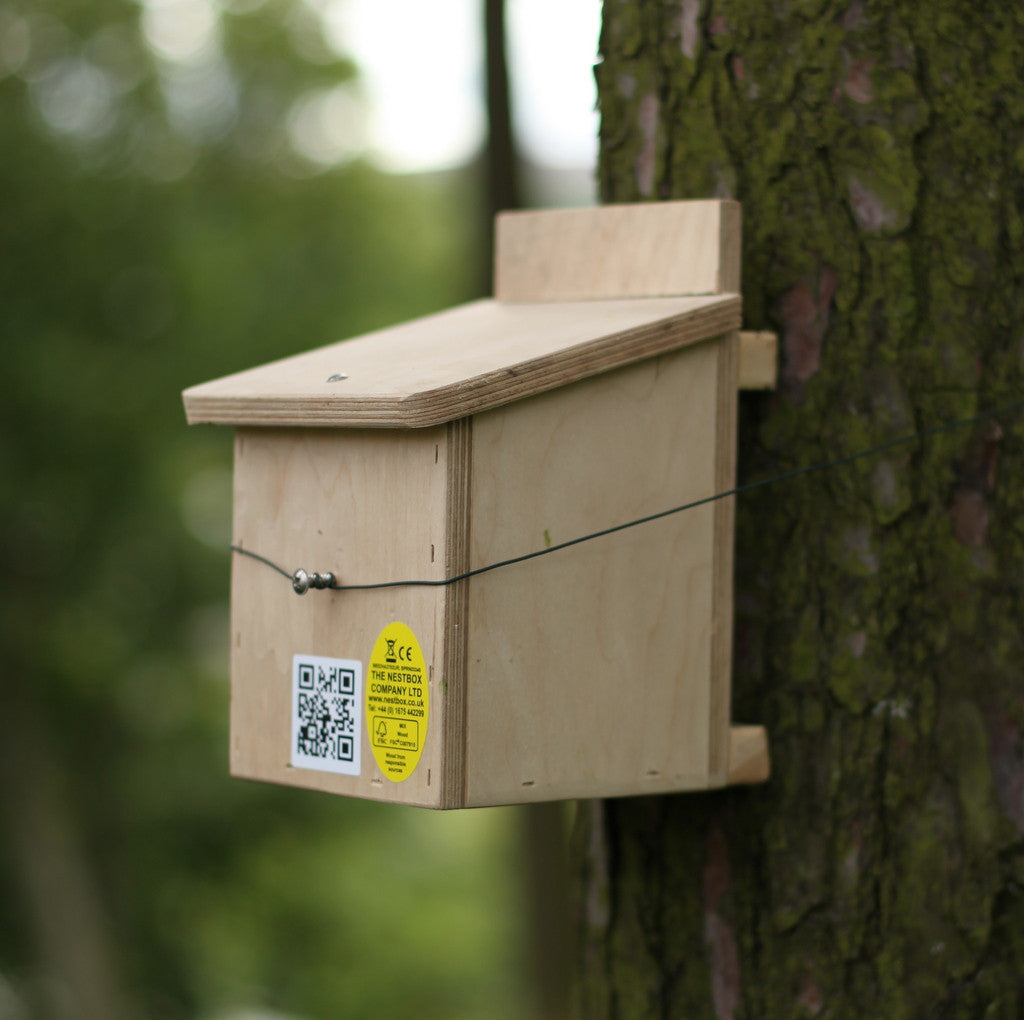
466	452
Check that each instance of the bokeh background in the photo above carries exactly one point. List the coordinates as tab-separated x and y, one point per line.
188	188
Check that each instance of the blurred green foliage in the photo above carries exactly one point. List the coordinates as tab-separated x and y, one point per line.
160	227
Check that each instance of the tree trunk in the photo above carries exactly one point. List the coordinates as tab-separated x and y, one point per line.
878	151
501	161
76	962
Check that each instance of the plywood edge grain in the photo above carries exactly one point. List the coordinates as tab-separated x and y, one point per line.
730	248
453	679
722	579
749	759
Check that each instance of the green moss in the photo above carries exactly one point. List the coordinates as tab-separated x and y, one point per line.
805	660
856	682
882	179
963	755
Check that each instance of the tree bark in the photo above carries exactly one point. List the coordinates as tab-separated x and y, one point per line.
877	149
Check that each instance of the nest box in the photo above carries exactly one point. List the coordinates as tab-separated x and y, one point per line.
597	388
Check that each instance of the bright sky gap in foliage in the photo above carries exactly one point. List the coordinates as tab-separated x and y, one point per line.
416	104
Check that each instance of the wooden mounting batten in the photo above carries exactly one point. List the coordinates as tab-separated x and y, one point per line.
749	761
759	360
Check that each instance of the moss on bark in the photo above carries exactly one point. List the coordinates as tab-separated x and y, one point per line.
878	152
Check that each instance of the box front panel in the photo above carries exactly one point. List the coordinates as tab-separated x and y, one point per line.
590	669
369	506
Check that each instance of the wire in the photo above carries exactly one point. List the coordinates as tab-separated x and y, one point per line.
736	491
262	559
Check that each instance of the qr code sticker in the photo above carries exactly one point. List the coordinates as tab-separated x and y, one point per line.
326	713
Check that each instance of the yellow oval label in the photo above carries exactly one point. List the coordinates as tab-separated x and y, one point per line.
397	702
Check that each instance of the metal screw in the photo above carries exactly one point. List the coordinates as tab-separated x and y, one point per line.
302	582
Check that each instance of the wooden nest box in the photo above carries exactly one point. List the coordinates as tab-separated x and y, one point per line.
597	388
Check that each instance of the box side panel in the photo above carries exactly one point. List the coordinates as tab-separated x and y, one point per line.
590	668
368	506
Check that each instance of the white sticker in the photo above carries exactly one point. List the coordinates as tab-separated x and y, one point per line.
327	699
